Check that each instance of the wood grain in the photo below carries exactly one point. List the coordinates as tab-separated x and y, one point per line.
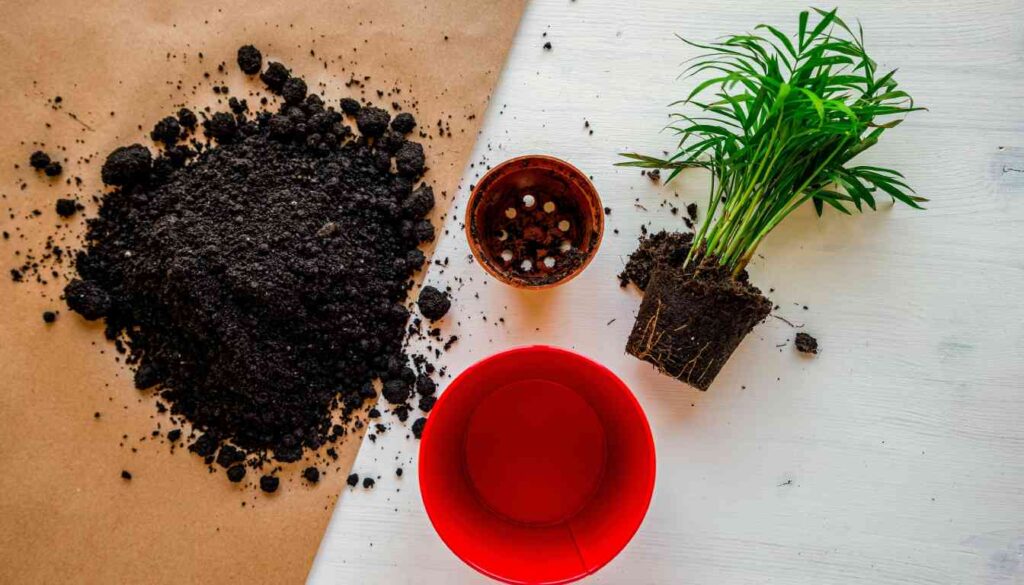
892	457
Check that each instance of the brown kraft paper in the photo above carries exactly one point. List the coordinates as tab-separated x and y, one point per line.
66	515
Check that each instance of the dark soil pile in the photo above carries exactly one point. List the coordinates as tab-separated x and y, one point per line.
259	283
692	318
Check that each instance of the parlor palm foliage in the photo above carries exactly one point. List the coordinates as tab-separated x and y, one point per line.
778	122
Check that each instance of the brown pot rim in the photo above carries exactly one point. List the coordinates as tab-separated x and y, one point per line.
476	195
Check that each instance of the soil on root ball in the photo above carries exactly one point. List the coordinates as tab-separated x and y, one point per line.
655	248
692	319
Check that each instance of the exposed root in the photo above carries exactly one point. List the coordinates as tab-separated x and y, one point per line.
786	321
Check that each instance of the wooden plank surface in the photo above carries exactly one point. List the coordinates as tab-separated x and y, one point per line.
895	456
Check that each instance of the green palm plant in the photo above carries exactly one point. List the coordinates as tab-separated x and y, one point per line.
781	121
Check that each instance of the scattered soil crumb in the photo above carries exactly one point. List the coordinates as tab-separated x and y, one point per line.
805	343
433	303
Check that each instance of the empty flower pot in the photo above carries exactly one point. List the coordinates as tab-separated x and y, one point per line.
537	466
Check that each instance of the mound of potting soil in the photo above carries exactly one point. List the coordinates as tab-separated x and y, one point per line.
259	282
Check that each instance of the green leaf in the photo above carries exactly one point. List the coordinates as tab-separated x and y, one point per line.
778	34
827	19
816	101
803	28
778	119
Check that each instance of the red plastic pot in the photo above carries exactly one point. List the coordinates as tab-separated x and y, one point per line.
537	466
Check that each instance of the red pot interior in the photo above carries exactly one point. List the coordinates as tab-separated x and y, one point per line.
537	466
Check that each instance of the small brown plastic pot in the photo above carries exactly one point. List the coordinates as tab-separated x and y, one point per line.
543	174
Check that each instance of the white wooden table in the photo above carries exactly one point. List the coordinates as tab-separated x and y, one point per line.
897	454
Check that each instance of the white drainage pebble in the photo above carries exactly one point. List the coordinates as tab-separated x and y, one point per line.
506	255
510	213
502	236
549	207
526	265
529	201
565	246
564	225
549	262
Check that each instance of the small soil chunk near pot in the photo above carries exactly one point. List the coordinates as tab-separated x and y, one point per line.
409	160
312	474
269	483
221	126
427	403
236	473
350	106
275	76
53	169
126	475
250	60
372	122
167	131
403	123
423	231
425	386
368	482
294	91
396	391
433	303
693	318
805	343
187	118
229	455
148	375
205	445
66	207
87	299
353	479
49	316
418	426
127	165
420	202
39	160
